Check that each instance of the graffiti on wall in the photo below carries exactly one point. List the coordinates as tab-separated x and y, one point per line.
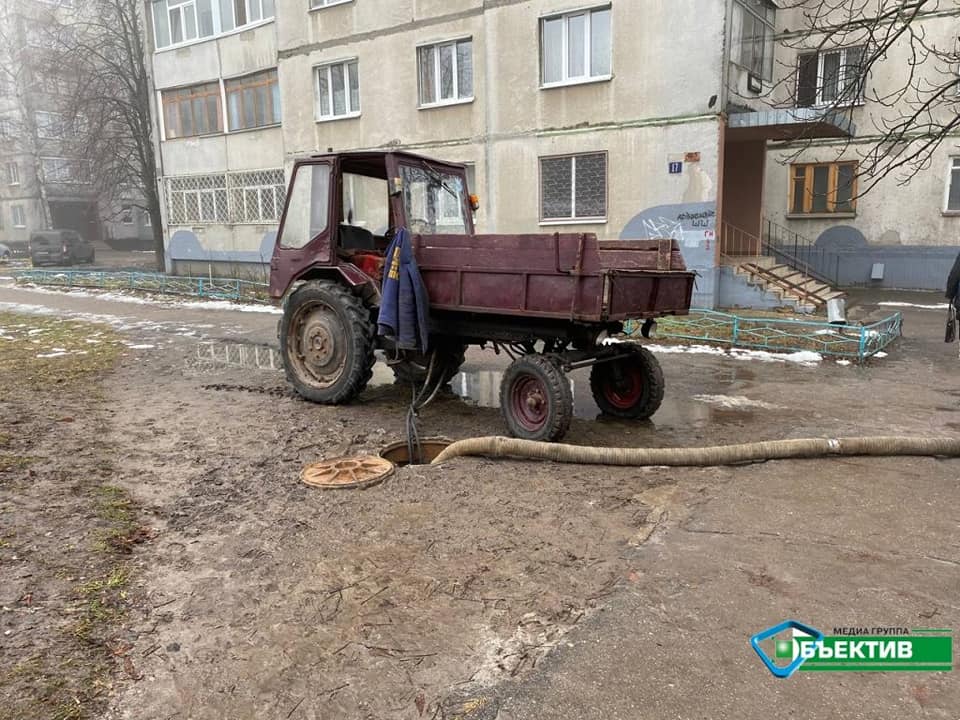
693	226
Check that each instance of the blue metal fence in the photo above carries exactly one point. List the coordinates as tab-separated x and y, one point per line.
856	342
211	288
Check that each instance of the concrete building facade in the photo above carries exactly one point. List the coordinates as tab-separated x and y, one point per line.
571	115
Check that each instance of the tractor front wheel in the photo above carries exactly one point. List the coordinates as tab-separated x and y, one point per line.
628	387
535	399
327	342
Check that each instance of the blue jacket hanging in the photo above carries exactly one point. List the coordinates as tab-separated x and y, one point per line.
404	305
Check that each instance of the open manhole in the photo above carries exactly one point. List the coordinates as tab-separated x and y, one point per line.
399	455
344	473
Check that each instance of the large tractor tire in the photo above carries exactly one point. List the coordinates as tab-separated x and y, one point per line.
535	399
327	341
630	387
451	356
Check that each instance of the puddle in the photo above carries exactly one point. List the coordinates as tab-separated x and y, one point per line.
482	388
239	355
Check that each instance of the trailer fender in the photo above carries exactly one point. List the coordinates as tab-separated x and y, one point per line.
346	273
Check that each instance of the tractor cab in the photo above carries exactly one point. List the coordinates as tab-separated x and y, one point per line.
343	209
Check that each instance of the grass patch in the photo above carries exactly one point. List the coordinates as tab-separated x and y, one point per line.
45	352
778	332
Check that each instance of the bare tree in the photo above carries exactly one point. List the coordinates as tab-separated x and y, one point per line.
100	50
900	60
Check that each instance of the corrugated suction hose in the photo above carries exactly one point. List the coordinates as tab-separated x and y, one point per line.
702	456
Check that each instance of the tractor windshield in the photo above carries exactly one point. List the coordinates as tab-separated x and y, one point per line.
435	201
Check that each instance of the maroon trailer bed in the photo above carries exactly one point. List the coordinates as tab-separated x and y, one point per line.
560	276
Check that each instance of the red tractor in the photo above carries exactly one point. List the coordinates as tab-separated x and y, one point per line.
548	300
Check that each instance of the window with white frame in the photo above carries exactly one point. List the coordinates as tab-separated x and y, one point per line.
181	21
953	186
753	36
147	220
19	216
831	77
256	197
338	90
237	197
446	72
576	47
573	187
314	4
197	199
13	173
57	170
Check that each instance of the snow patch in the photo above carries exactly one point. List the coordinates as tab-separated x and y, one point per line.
843	362
801	357
938	306
141	347
112	296
736	402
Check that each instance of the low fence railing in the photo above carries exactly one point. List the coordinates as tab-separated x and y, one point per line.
854	342
201	287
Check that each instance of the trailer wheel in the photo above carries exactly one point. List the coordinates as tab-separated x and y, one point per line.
631	387
327	343
414	370
535	399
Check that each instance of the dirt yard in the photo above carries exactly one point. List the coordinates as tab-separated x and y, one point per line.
160	558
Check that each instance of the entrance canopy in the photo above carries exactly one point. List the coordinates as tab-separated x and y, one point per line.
788	124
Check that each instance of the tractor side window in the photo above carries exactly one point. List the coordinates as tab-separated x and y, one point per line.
365	202
308	207
434	201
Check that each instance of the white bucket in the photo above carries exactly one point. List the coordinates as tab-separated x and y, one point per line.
837	311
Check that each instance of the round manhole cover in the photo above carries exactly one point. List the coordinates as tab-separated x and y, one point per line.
343	473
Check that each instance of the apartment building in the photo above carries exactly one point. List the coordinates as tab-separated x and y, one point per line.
570	115
44	182
903	235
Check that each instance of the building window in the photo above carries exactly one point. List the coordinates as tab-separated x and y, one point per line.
13	173
953	186
19	216
192	111
257	197
834	77
823	188
147	220
226	198
6	127
181	21
126	215
575	47
253	101
338	90
753	33
50	125
65	170
314	4
446	72
573	187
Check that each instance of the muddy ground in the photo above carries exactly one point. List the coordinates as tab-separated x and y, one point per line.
480	588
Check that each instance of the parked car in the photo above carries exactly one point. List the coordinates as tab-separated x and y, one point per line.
60	247
5	253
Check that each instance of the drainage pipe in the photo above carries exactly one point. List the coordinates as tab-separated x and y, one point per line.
702	456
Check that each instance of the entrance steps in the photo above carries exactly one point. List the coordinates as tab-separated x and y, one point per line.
791	286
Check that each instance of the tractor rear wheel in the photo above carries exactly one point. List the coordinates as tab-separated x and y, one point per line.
535	399
327	342
629	387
